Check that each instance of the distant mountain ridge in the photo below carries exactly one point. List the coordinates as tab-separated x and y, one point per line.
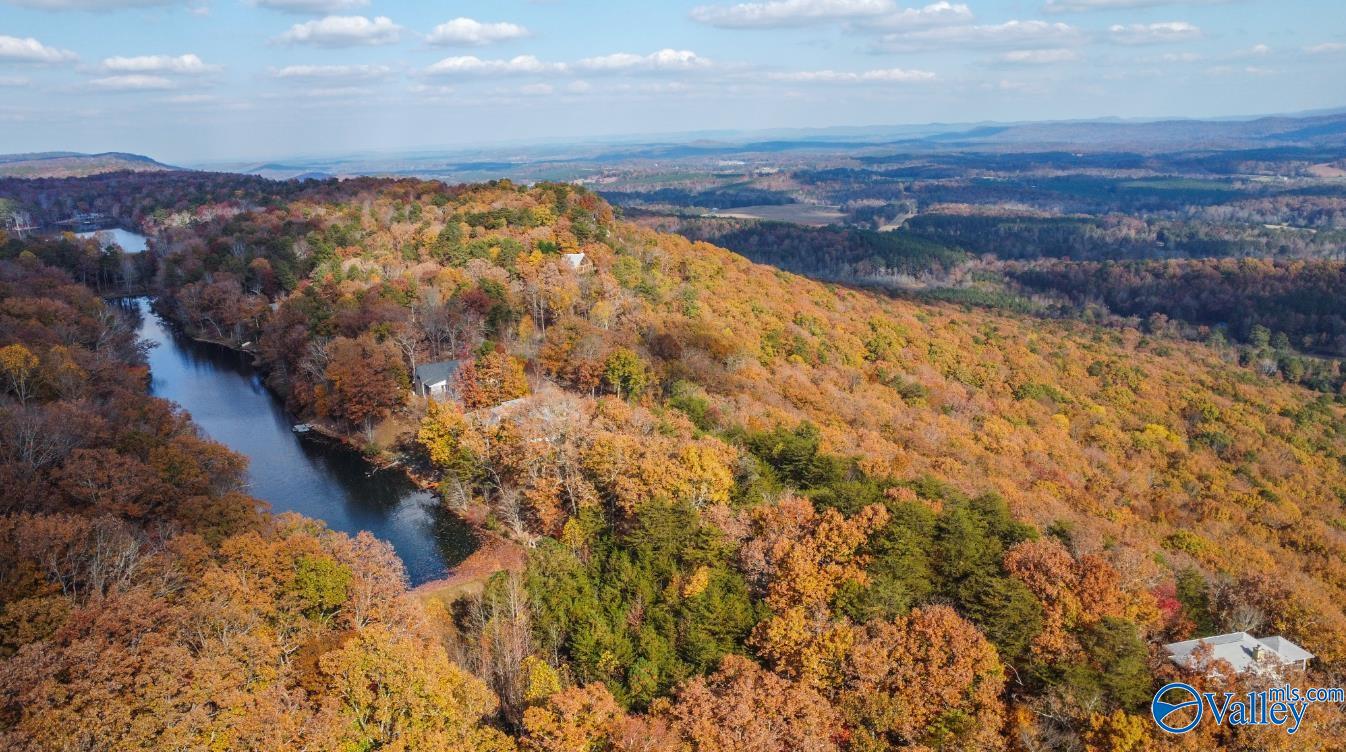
561	160
1319	130
69	164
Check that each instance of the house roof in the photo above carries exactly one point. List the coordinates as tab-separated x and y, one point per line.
1288	651
1240	649
442	370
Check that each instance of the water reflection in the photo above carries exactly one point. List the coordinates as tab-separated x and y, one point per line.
315	477
130	242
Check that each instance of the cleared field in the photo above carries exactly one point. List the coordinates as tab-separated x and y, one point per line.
1177	184
800	214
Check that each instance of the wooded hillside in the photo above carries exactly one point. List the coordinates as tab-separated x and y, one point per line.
764	513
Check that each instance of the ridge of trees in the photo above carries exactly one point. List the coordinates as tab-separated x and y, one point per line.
763	513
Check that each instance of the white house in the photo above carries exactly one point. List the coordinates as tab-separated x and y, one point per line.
437	379
1244	652
576	260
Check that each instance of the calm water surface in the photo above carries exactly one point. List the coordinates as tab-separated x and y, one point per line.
131	242
311	476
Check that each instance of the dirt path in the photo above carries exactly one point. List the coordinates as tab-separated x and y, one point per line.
496	554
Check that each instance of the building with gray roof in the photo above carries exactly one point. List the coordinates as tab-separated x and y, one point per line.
437	379
1244	652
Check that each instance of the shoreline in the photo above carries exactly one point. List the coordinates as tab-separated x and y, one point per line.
494	552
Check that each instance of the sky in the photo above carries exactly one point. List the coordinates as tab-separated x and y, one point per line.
194	81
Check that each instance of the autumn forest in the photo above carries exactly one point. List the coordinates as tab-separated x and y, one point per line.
722	507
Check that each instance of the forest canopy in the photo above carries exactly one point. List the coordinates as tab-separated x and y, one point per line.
759	512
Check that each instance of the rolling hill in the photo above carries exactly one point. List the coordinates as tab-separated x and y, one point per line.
69	164
743	493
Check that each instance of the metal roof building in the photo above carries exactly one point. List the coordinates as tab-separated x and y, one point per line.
1243	651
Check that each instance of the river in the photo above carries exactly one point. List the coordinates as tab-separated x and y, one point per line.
131	242
312	476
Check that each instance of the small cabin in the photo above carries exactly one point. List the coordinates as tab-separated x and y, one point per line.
576	260
1244	652
438	379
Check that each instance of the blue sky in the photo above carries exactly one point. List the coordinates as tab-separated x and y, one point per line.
199	80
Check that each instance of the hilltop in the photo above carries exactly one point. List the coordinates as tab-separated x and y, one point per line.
67	164
1181	470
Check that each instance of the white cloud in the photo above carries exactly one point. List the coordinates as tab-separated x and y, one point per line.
537	90
663	60
1018	34
344	31
1258	50
870	14
1326	48
331	72
1016	87
311	6
934	14
13	81
658	88
188	64
469	32
579	87
1040	57
884	75
1179	57
90	4
431	90
1235	70
191	98
29	50
1156	33
132	82
783	13
1070	6
469	65
331	92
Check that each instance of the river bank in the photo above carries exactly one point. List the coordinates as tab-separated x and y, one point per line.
494	552
491	552
225	393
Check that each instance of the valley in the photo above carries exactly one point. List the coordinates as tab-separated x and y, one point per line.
689	376
701	457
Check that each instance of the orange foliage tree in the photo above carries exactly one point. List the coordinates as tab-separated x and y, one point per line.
367	381
929	678
742	708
